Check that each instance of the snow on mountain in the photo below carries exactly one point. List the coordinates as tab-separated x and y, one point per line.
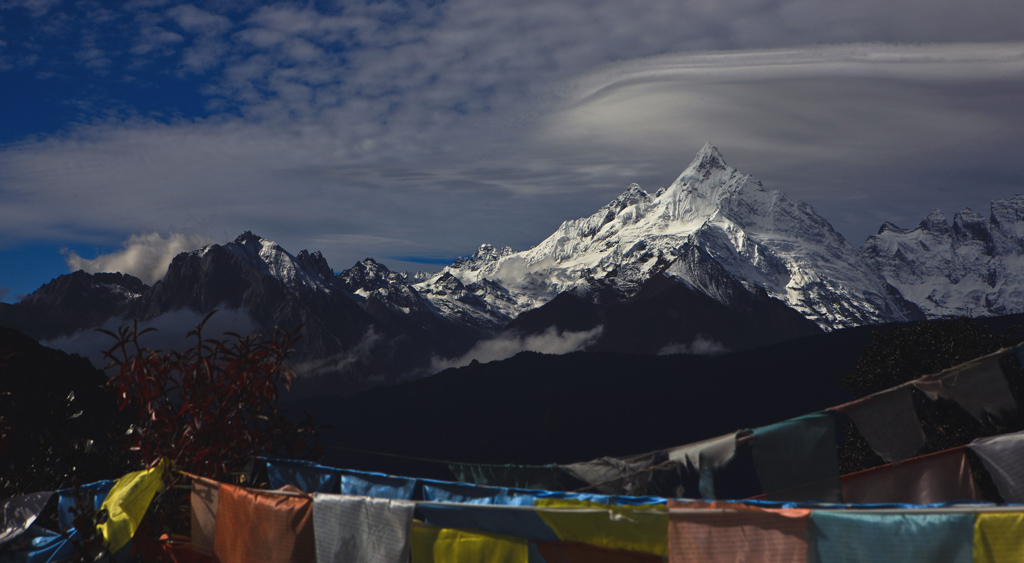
306	271
761	237
973	267
370	282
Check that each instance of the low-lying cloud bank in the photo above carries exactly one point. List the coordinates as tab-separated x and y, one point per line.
551	341
171	330
145	256
702	345
362	352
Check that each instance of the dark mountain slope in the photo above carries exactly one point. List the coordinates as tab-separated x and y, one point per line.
56	419
536	409
72	302
667	313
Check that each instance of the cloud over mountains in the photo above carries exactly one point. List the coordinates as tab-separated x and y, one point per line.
320	123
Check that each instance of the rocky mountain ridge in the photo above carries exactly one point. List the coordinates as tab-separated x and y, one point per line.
973	267
715	258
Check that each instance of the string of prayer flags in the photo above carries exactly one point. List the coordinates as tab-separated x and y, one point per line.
377	485
889	423
1003	457
933	478
614	476
510	521
39	544
631	528
796	459
444	545
350	528
702	457
978	386
307	476
205	494
256	526
845	536
738	534
18	513
999	537
127	502
546	477
439	491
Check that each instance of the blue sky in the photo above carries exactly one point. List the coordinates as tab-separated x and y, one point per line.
412	132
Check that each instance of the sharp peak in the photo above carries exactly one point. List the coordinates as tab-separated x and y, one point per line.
707	161
370	263
934	217
250	237
708	157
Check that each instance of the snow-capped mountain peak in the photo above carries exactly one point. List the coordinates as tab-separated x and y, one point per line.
708	160
309	271
760	236
972	267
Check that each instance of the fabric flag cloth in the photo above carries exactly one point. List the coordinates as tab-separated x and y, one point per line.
205	494
1003	457
127	502
702	457
544	477
849	537
377	485
39	545
614	476
264	526
369	530
632	528
440	491
796	459
978	386
889	423
512	521
444	545
573	552
94	493
741	533
18	513
308	477
999	537
939	477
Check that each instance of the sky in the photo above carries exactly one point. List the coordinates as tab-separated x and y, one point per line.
414	131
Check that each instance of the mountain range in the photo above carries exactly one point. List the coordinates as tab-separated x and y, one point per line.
713	262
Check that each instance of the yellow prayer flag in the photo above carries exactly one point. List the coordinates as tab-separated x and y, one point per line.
431	544
643	529
999	537
127	503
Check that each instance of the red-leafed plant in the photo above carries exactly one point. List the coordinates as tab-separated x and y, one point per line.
208	409
212	407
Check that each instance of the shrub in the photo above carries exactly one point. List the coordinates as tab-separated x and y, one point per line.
210	408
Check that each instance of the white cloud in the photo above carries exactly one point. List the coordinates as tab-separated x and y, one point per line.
197	20
551	341
435	121
342	363
145	256
702	345
171	330
36	8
